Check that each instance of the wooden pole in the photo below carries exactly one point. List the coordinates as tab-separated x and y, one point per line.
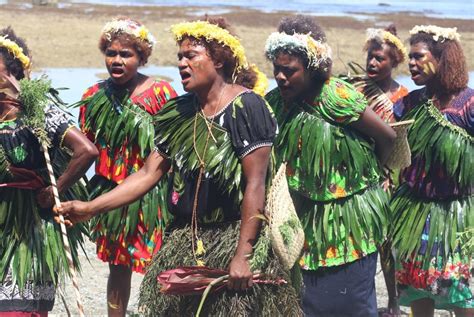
67	247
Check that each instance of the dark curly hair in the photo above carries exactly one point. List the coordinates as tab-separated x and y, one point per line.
12	64
305	24
395	55
143	48
223	54
452	71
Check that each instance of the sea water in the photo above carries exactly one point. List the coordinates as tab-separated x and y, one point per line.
456	9
72	83
76	80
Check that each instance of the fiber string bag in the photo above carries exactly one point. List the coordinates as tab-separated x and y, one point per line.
401	154
285	229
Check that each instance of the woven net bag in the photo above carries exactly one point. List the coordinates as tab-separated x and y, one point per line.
401	154
285	230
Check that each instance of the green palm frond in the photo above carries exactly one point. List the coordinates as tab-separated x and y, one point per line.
316	151
175	127
466	241
337	149
30	246
435	139
120	123
447	219
115	119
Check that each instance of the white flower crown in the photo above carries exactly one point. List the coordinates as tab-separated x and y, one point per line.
439	34
316	51
129	27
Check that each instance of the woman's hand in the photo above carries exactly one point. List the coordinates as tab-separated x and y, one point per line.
240	276
254	167
75	211
45	197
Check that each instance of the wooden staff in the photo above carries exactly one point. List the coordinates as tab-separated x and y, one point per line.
67	247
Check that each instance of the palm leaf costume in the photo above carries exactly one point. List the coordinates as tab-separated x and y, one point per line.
122	129
377	99
218	208
32	251
333	175
434	207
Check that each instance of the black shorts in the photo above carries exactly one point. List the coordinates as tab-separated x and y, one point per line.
345	290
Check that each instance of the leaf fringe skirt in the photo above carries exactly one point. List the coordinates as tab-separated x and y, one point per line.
220	242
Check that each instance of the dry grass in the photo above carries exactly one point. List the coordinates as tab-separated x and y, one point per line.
67	37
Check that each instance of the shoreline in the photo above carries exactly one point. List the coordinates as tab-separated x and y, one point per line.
67	35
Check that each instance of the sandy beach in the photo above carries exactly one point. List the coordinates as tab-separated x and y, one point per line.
66	36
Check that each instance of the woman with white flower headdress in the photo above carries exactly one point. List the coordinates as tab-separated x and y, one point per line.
117	115
433	206
335	146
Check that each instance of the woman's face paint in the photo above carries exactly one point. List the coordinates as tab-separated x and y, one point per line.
422	64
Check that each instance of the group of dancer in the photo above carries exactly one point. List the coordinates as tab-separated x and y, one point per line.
181	181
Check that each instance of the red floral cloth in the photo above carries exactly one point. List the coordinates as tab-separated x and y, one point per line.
112	163
134	249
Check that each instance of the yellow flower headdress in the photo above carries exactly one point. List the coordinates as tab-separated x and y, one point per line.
212	32
128	26
316	51
439	34
382	36
16	51
261	85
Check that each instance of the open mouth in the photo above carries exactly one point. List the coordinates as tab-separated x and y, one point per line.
414	74
117	71
185	76
372	72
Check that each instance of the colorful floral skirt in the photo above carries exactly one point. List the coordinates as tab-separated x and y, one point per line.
130	235
445	282
438	268
220	242
135	251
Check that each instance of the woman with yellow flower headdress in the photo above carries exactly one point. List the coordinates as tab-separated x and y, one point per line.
218	139
335	146
32	252
385	51
117	115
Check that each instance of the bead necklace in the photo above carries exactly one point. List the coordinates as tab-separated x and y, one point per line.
202	164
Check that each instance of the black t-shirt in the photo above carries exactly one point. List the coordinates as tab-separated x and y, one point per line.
250	124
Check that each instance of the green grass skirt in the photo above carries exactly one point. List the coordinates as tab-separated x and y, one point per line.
220	242
431	260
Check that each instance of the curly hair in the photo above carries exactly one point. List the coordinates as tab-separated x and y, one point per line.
13	65
452	71
143	49
223	54
305	24
395	55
